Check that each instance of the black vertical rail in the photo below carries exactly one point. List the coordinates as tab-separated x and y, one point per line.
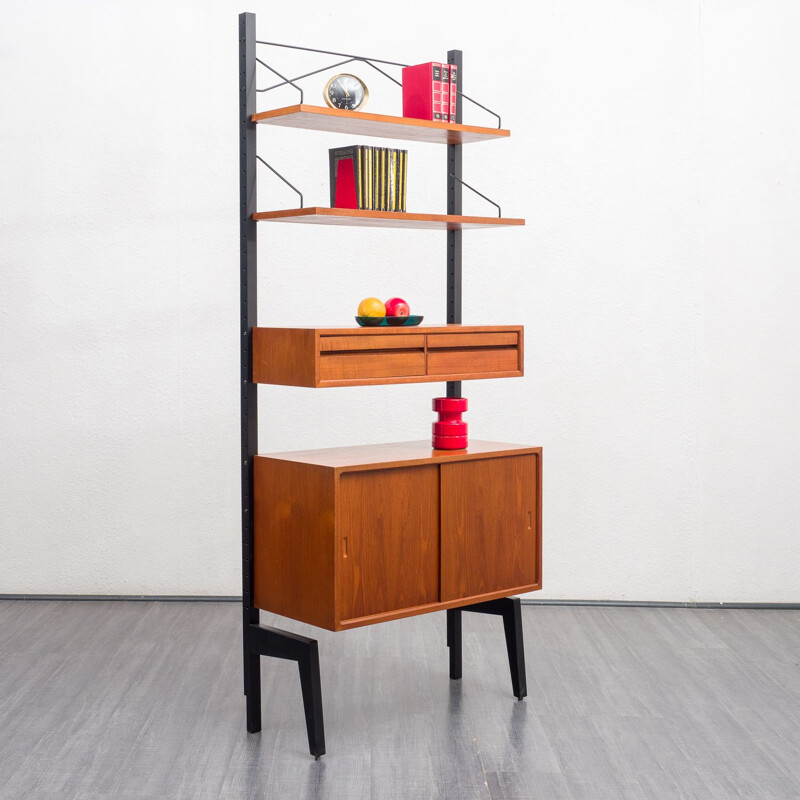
248	320
454	207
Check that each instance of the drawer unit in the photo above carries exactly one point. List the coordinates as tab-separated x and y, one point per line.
356	535
319	357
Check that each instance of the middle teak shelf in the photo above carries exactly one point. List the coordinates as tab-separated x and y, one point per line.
320	357
321	215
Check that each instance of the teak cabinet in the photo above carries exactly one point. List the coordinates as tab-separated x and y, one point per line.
320	357
352	536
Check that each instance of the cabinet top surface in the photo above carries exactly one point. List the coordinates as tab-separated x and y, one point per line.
398	454
390	330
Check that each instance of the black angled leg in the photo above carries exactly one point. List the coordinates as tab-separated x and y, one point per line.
512	623
265	641
454	641
253	692
312	700
510	609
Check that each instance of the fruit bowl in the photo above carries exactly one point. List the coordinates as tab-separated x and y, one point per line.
374	322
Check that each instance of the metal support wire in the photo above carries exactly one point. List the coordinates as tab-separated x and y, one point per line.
286	80
293	188
331	53
473	189
350	57
489	110
325	69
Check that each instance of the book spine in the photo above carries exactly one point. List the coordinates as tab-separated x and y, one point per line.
400	180
379	198
332	169
453	91
384	179
446	93
370	179
436	86
374	203
393	182
360	177
405	182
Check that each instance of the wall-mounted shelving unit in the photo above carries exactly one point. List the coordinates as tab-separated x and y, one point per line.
345	537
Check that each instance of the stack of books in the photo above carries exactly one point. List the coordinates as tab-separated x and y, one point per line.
368	178
430	91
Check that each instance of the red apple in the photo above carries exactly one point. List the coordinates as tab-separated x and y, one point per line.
397	307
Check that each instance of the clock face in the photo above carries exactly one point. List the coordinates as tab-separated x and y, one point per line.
346	92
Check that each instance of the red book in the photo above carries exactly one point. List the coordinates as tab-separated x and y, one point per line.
346	185
422	91
345	177
446	93
453	91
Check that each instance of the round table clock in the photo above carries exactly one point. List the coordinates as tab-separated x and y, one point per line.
346	92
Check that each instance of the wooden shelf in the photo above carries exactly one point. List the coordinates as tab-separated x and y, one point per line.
327	357
319	215
358	123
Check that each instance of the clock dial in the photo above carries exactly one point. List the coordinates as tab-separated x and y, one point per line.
346	92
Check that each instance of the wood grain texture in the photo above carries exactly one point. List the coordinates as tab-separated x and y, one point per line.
481	339
327	357
352	536
374	342
359	123
427	608
143	701
486	361
428	378
294	562
321	215
399	454
285	356
490	525
388	540
363	366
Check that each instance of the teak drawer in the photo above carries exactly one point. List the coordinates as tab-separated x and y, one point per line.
319	357
356	535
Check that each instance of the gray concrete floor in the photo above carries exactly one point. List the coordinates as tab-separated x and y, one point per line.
143	700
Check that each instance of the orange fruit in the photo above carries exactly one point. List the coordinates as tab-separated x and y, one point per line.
371	307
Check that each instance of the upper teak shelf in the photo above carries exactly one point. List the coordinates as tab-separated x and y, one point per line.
358	123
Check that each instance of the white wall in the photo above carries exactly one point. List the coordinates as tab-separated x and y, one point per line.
655	156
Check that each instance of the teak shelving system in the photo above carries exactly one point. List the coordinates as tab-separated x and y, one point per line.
352	536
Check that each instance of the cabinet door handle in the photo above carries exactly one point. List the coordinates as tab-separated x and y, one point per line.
344	547
530	520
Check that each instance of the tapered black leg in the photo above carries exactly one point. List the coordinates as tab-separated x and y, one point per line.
253	692
275	643
312	700
454	641
510	609
512	622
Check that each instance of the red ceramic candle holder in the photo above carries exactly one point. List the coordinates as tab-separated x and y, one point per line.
450	432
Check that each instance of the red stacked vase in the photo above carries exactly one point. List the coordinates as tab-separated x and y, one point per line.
450	432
